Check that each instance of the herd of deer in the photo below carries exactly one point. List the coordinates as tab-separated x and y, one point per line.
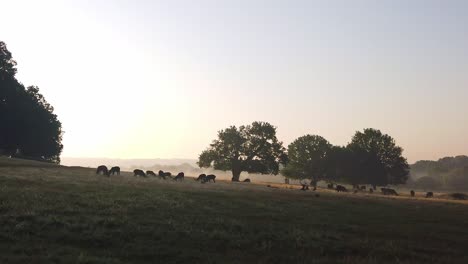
385	191
203	178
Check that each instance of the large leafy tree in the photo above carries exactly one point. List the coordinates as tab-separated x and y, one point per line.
377	159
309	158
252	148
29	126
10	90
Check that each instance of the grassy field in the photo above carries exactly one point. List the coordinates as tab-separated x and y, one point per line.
53	214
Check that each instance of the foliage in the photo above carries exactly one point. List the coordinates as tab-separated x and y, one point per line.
309	158
442	165
447	172
458	178
370	158
29	126
379	159
7	64
252	148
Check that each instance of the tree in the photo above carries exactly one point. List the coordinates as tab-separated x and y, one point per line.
29	127
343	166
309	158
458	178
252	148
7	64
378	159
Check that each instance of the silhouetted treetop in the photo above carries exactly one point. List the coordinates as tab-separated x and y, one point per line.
309	158
7	64
379	159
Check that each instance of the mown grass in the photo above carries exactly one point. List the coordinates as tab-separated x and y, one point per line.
69	215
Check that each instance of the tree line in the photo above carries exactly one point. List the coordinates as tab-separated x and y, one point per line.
371	157
445	173
29	128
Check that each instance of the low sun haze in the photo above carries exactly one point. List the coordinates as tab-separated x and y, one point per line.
158	79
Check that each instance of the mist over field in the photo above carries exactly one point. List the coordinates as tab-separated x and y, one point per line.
189	166
449	173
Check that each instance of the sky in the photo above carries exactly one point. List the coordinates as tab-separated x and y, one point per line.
158	79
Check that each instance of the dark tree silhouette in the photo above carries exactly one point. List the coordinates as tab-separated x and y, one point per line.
7	64
252	148
29	128
341	165
377	159
309	158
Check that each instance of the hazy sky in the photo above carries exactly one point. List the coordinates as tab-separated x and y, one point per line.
149	79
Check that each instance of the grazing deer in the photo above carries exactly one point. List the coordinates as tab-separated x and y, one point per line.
209	178
138	172
114	170
388	191
150	173
102	170
341	188
161	175
179	177
201	177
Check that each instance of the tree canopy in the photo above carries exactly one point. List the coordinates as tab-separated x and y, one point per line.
370	158
447	172
253	148
378	160
7	64
29	126
308	158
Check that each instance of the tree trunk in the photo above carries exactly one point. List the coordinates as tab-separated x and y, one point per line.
235	175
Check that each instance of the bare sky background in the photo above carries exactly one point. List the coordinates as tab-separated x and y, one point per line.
149	79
